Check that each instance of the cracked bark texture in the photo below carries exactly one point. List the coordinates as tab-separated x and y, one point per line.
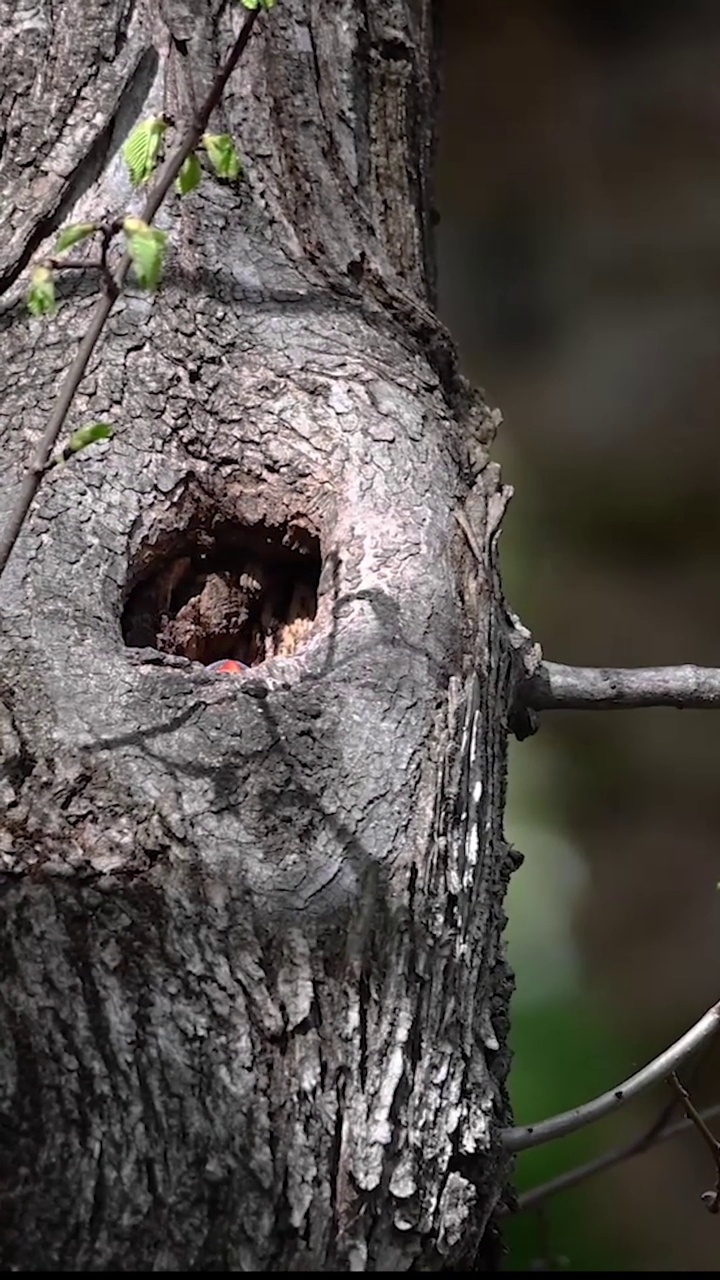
253	1000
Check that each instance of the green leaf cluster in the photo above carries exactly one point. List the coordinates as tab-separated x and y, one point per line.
84	436
80	439
146	246
222	155
41	294
72	234
141	147
189	176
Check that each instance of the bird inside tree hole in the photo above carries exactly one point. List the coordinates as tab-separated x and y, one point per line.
247	592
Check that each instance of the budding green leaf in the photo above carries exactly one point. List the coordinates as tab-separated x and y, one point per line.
146	246
131	225
257	4
72	234
84	436
140	149
41	294
189	176
222	154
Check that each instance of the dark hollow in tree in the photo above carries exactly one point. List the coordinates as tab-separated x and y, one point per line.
219	589
253	999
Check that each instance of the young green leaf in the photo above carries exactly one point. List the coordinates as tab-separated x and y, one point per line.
72	234
222	154
140	149
84	436
132	224
146	246
257	4
189	176
41	294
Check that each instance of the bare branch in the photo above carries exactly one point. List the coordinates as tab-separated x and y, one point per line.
74	264
711	1199
558	687
165	178
521	1137
616	1155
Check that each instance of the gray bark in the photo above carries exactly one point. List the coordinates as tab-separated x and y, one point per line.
253	1000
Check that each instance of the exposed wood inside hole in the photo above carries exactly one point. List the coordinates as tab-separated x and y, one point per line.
243	592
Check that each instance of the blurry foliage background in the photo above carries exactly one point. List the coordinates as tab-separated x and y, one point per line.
579	243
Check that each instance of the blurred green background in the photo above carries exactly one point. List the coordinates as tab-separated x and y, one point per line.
579	244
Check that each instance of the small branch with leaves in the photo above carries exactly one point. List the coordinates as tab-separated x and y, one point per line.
144	251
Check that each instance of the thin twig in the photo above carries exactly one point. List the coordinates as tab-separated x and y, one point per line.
555	686
74	264
521	1137
607	1160
711	1199
164	180
549	1260
107	234
658	1131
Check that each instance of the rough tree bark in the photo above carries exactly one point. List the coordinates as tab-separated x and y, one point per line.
253	1000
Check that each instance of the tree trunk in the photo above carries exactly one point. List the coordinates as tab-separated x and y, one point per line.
254	1002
